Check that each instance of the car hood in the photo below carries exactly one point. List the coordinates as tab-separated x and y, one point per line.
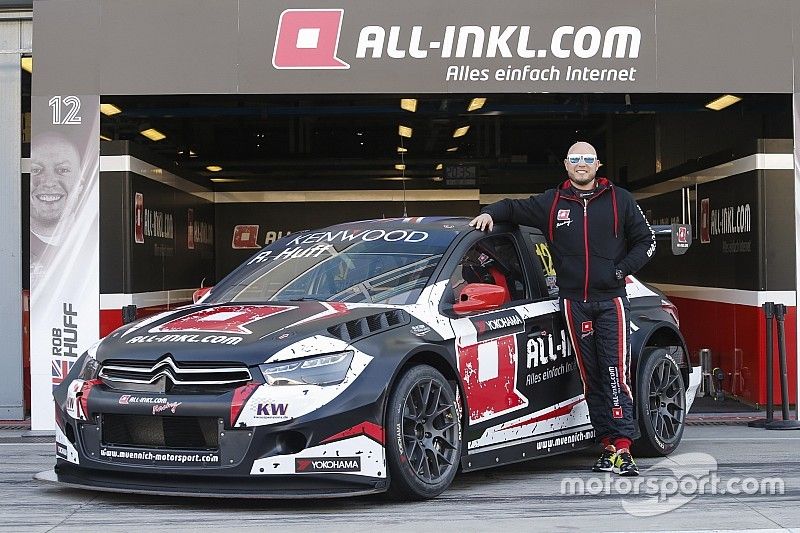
244	333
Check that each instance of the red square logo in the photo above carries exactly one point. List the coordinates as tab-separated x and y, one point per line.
616	412
245	236
586	327
563	214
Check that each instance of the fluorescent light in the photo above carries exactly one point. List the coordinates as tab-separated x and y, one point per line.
439	166
405	131
153	134
460	132
27	64
722	102
109	109
401	150
476	103
214	168
400	167
104	138
228	180
192	154
452	149
409	104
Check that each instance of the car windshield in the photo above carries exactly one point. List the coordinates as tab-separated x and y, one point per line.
346	263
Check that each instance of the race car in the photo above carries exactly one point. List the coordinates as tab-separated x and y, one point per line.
365	357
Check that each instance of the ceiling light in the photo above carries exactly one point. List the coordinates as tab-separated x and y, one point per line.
452	149
153	134
214	168
395	178
439	166
27	64
228	180
109	109
400	167
104	138
476	103
460	132
401	150
722	102
409	104
192	154
405	131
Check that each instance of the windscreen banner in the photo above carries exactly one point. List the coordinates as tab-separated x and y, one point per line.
64	242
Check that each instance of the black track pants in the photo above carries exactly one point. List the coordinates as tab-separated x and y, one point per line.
600	335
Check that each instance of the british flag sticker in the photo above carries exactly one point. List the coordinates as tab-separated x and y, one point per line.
61	368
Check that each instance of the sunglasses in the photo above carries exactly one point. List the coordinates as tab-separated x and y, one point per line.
574	159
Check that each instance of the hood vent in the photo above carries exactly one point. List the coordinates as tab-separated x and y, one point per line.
355	329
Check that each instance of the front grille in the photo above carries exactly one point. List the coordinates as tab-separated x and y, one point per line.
179	432
118	373
355	329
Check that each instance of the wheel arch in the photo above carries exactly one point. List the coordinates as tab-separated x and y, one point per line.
659	335
439	359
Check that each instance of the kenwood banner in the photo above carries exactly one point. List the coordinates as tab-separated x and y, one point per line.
64	250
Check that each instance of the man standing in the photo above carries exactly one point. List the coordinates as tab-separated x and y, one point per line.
598	235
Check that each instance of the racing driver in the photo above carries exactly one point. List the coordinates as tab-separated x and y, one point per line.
598	235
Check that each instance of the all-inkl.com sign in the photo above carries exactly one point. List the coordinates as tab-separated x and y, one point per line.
490	52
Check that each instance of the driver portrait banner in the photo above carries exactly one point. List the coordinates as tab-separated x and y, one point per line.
64	241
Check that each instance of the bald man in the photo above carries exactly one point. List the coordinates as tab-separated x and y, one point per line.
598	235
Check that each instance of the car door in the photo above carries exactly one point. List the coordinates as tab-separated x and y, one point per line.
496	349
553	367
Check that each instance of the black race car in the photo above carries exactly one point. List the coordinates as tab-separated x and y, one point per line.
359	358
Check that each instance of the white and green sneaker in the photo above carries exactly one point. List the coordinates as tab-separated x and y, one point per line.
624	465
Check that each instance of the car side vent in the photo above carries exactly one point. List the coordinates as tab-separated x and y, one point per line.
355	329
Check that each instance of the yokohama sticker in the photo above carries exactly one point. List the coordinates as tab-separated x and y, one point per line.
225	319
327	464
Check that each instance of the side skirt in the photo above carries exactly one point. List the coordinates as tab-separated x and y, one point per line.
557	442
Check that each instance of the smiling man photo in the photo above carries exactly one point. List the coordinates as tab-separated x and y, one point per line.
598	235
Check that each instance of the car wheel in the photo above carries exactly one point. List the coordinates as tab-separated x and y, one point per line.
661	403
423	434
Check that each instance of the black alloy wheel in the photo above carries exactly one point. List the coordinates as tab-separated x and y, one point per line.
424	434
661	401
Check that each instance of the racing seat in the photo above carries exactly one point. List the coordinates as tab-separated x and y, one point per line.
501	281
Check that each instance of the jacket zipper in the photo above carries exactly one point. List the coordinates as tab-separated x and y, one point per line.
585	240
586	249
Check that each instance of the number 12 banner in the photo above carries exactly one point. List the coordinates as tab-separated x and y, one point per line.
64	241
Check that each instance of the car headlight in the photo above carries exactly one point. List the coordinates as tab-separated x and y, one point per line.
90	369
328	369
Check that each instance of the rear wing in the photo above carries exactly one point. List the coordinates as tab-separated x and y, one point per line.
679	234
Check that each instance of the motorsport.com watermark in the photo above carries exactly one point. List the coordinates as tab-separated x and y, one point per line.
670	484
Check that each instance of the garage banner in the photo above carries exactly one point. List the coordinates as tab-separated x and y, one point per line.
64	247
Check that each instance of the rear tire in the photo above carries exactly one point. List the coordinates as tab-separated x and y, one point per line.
423	435
660	402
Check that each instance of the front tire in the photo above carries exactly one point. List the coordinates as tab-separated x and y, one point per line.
423	434
661	403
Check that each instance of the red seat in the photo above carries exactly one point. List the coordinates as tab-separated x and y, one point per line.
501	281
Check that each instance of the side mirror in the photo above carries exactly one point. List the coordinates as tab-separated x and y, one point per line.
479	297
199	293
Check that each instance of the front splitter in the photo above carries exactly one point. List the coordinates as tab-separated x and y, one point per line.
50	476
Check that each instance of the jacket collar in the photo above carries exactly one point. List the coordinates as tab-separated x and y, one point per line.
602	184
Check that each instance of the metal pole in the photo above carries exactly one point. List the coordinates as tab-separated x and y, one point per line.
786	422
769	310
768	313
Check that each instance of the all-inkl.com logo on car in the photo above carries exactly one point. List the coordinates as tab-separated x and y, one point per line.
308	39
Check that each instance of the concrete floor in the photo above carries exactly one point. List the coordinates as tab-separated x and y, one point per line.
522	497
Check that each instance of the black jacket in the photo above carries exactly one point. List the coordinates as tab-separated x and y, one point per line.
590	238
